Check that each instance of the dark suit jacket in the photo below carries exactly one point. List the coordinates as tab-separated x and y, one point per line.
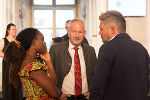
62	61
121	72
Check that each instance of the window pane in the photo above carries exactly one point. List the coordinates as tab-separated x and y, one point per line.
65	2
43	18
42	2
60	32
48	34
62	15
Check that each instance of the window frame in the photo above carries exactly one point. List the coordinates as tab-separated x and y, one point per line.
53	7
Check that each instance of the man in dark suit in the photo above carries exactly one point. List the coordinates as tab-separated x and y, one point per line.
121	72
62	56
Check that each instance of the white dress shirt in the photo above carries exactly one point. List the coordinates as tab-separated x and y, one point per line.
69	80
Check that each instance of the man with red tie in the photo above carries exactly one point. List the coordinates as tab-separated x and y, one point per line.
74	63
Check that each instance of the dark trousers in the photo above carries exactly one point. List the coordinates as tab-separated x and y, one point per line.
74	97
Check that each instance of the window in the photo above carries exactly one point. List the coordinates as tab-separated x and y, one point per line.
49	16
42	2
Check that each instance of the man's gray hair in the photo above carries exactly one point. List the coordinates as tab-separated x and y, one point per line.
114	18
75	20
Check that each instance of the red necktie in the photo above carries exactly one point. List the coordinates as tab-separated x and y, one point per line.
77	70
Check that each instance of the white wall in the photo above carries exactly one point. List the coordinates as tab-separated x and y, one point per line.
9	13
2	17
137	27
90	9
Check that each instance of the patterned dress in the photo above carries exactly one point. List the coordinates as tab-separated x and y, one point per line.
31	88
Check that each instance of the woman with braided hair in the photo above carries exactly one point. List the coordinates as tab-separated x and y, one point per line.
38	80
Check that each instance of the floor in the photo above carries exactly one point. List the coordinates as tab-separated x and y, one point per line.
1	97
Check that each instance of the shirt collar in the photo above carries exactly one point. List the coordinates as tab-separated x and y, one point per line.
112	37
72	46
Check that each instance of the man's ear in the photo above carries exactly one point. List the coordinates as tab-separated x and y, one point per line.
113	30
68	33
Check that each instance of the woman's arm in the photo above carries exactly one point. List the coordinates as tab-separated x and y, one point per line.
47	60
1	48
45	82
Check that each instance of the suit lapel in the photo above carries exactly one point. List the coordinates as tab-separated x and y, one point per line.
68	60
85	54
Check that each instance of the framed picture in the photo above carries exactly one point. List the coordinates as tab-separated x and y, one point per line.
128	7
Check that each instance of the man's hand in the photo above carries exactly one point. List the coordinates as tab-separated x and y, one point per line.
87	95
64	96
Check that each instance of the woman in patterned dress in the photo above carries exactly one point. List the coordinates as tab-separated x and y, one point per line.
38	80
